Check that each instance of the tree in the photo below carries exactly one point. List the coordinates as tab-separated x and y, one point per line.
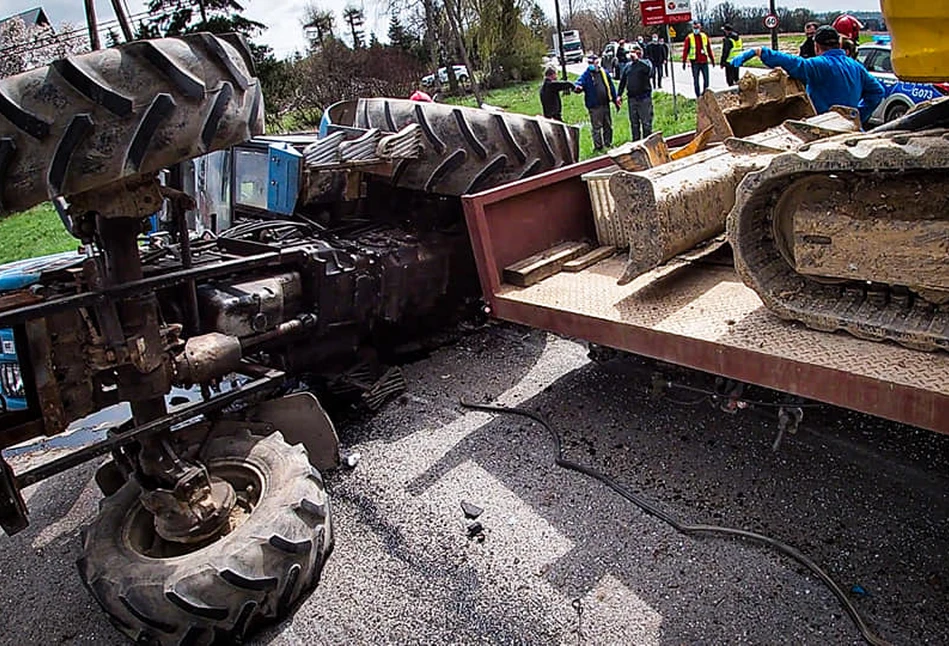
538	22
400	37
24	47
174	18
318	24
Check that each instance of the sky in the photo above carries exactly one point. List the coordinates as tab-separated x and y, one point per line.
283	17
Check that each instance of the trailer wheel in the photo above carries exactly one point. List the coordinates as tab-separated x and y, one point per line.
89	120
467	149
167	593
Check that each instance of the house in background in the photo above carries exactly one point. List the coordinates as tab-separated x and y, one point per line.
34	17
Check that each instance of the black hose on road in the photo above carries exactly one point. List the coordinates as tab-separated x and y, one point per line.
688	529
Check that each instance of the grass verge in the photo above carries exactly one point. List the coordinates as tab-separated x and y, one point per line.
36	232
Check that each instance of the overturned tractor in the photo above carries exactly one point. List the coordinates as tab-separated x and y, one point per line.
282	257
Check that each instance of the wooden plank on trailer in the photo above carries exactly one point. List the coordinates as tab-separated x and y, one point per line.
534	269
589	258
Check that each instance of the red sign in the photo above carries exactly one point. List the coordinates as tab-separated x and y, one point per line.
653	11
665	12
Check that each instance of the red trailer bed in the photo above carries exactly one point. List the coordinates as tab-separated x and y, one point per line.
696	313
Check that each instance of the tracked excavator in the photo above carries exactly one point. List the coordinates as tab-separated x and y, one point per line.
852	233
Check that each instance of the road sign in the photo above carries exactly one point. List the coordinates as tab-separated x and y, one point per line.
672	32
771	21
665	12
653	11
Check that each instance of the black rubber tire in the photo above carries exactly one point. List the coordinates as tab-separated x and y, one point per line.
467	150
895	111
217	594
88	120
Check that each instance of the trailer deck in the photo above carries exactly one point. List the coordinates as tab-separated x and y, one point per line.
693	311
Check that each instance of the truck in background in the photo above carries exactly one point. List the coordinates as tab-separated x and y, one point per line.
571	50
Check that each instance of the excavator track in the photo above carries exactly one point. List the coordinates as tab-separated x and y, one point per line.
852	233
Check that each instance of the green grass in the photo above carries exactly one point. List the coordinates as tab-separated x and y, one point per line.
524	98
32	233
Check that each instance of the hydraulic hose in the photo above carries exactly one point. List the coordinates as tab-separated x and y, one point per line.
688	529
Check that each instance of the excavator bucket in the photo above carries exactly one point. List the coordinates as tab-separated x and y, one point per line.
669	208
758	103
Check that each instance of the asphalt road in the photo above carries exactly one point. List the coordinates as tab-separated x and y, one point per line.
864	498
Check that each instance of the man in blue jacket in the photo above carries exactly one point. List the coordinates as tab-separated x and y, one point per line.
832	78
598	93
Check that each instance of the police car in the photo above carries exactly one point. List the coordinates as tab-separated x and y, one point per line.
900	95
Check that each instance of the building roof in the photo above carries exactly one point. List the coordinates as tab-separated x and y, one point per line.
31	17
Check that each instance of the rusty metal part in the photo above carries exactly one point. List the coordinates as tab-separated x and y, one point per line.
208	357
136	197
758	103
869	212
671	208
195	510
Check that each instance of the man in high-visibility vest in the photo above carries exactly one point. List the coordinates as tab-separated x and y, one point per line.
697	50
731	49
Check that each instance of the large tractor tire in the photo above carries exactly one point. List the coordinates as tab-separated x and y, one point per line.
167	593
467	149
89	120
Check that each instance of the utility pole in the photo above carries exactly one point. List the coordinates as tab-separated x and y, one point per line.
93	25
560	54
123	20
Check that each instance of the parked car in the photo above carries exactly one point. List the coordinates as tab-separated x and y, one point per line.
461	73
900	95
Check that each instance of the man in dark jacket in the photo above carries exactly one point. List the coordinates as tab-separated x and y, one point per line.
599	92
657	54
550	94
636	79
807	47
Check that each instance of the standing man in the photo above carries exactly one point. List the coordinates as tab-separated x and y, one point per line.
550	94
697	50
598	93
656	53
636	79
620	58
806	49
731	49
832	77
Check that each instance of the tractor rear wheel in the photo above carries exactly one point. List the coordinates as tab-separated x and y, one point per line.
468	150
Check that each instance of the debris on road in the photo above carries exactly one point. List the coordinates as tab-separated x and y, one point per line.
471	511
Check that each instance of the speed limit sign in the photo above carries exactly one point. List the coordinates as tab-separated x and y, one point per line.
771	21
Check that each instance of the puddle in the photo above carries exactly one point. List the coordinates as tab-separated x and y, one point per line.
95	427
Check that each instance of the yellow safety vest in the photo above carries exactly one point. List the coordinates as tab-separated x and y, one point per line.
735	51
692	48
